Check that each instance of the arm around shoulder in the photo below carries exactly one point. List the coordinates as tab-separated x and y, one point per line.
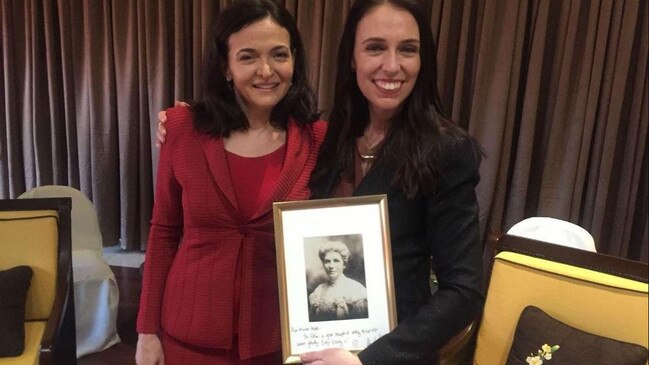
319	130
179	116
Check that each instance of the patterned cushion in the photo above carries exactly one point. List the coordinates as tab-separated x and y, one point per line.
535	328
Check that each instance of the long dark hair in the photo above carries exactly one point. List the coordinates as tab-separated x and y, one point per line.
216	110
414	138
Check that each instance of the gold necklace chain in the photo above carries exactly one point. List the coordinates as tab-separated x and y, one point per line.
366	156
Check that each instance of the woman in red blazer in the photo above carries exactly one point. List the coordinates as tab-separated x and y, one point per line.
209	291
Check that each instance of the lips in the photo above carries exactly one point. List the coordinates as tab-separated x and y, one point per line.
266	86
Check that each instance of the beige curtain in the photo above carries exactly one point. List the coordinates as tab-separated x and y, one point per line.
555	92
559	104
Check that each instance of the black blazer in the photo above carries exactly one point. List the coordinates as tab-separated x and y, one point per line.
443	226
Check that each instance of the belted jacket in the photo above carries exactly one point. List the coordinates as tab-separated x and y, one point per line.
198	242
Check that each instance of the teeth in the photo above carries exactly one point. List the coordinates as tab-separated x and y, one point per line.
389	85
266	86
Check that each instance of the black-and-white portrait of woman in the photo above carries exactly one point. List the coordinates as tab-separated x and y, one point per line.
336	278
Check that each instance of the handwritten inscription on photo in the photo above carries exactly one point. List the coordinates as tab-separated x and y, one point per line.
313	337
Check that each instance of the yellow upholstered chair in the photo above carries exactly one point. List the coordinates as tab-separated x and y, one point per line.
594	293
96	295
36	233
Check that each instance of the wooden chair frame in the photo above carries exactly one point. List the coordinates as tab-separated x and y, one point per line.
629	269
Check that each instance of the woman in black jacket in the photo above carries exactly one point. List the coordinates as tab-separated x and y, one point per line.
388	134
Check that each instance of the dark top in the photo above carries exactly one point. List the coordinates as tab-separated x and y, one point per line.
442	226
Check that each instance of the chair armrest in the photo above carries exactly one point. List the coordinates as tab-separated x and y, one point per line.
58	345
56	328
457	343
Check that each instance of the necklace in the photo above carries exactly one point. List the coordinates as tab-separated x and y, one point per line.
261	129
369	155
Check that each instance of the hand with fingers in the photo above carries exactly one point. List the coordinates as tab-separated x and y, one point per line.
162	119
149	350
333	356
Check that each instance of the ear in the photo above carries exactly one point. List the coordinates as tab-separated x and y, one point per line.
228	74
353	64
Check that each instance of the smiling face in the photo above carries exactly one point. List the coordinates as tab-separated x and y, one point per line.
260	65
386	58
333	264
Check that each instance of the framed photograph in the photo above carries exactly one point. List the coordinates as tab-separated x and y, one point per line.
334	266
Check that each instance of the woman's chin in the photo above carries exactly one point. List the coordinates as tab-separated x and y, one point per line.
332	279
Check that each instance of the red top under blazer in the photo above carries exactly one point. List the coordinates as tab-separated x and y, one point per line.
188	288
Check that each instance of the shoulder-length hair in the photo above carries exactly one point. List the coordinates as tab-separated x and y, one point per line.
216	110
416	129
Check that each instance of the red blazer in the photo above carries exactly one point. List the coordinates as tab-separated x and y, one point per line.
197	236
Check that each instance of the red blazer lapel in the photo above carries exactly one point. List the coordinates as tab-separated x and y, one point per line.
299	143
217	160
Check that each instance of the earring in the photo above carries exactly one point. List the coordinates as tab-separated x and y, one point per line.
230	83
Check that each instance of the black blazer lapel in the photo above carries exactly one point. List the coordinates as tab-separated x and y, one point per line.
378	179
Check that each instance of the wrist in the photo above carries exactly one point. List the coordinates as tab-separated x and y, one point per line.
146	335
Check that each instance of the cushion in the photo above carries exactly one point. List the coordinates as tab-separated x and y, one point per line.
535	329
14	285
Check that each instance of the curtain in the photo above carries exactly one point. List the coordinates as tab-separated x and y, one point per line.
559	103
554	91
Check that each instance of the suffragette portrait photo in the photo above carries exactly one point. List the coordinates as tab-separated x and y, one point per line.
335	274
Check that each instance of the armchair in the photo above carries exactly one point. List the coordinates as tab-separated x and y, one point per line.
602	296
36	233
96	295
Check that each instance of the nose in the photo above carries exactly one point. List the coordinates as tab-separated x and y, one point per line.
265	69
391	62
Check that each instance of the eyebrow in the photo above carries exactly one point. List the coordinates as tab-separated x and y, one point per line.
379	39
253	50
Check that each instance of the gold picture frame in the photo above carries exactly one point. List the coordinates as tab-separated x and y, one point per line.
334	266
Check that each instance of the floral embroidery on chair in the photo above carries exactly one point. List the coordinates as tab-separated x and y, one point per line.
545	353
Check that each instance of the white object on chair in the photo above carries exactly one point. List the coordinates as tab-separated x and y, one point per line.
555	231
96	295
